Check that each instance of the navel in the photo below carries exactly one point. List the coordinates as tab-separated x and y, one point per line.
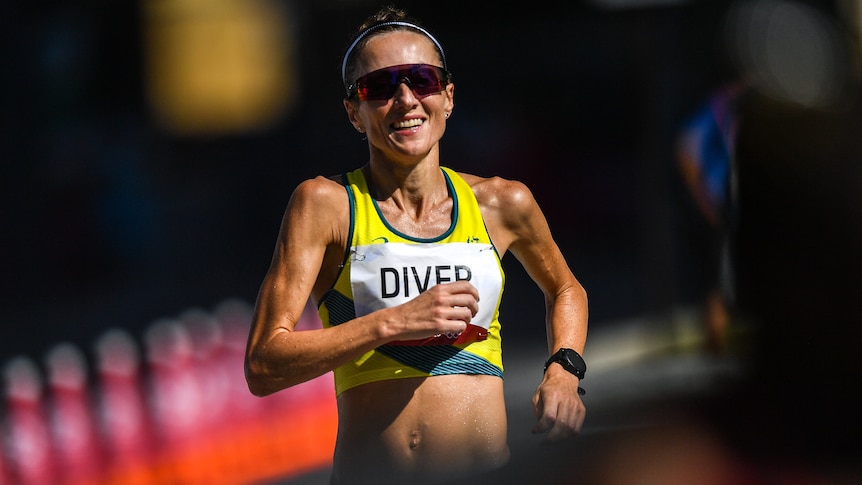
415	439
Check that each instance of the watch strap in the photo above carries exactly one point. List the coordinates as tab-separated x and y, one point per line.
570	360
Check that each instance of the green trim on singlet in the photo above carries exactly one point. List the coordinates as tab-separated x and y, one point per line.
397	361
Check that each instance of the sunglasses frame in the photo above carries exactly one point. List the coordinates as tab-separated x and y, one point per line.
397	75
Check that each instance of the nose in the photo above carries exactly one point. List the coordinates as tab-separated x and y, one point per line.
404	92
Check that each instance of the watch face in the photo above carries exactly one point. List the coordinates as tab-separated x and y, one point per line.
570	360
570	357
567	356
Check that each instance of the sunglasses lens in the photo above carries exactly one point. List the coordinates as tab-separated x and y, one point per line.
376	85
381	84
426	80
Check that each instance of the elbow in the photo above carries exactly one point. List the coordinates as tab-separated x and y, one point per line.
258	380
574	292
573	296
268	369
582	295
583	300
258	388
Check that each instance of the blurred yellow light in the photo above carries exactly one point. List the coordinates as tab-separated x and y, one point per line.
218	66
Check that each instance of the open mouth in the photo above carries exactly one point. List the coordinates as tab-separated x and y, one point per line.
406	124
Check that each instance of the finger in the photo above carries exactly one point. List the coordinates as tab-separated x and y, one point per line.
467	303
466	313
537	405
564	428
545	420
542	426
463	287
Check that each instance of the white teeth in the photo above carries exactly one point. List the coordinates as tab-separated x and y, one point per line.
408	123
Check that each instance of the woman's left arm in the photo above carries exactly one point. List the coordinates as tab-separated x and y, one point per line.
517	223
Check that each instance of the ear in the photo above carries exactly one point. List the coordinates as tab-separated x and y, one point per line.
352	111
449	104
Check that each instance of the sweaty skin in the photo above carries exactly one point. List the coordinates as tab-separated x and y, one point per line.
410	430
415	426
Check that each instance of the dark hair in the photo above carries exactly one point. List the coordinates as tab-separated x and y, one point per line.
387	19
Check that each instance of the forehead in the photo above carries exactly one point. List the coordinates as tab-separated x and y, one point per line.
395	48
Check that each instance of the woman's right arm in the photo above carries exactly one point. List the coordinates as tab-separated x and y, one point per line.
311	243
314	225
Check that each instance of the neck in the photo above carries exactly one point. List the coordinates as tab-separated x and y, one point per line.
414	190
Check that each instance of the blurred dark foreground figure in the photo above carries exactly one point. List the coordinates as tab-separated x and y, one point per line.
799	268
796	237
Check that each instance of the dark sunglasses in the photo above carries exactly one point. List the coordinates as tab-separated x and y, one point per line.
423	79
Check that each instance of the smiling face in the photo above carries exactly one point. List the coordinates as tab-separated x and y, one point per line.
406	127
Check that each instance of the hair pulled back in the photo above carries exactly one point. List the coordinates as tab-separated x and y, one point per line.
387	19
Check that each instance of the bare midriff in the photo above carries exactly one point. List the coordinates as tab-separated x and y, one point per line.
421	429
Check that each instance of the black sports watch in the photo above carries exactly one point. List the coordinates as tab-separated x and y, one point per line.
571	361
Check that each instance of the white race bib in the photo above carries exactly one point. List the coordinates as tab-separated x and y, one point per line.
389	274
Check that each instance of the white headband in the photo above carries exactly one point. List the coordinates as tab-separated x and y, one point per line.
378	26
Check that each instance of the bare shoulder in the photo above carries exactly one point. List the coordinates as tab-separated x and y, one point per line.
511	197
318	209
314	232
509	210
319	190
317	197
